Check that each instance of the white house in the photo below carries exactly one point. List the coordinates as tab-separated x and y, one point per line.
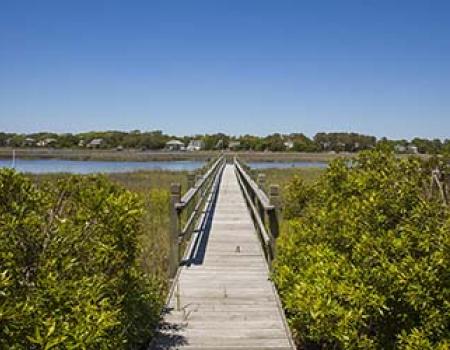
408	149
95	143
29	141
400	148
219	144
175	145
289	144
413	149
195	145
46	142
233	145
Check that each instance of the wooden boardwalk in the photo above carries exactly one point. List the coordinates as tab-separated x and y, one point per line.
224	298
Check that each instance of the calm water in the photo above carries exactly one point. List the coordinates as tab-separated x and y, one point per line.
86	167
285	165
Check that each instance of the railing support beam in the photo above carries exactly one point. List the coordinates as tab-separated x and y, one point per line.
175	196
274	196
191	179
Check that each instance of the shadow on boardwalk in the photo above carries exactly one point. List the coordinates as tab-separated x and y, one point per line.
168	335
198	251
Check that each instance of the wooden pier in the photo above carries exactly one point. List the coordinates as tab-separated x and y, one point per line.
222	296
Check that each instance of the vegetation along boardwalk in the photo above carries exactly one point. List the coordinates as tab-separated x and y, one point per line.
222	296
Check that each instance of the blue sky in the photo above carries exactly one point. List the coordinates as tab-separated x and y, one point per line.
380	67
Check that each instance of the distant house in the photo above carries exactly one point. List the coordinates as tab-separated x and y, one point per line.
219	144
341	146
95	143
400	149
46	142
234	145
325	145
29	142
412	149
175	145
289	144
195	145
81	143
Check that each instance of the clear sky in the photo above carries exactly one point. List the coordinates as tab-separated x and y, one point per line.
380	67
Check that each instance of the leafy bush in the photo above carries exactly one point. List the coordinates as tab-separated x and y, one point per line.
365	264
297	195
69	277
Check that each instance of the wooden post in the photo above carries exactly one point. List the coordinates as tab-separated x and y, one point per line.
175	196
191	179
262	181
261	184
274	196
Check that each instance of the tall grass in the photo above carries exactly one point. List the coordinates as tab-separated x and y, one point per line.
282	177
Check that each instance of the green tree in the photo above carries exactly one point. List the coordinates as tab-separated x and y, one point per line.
275	142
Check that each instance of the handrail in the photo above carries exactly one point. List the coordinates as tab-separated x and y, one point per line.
263	209
266	240
187	197
262	197
185	211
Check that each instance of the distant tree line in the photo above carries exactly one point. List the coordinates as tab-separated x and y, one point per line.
156	140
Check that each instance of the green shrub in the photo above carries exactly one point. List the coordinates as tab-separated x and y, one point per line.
366	262
296	196
69	277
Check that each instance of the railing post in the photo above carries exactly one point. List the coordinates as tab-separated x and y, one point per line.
261	185
191	179
261	181
175	196
274	196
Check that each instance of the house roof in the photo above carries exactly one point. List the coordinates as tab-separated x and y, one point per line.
96	141
175	142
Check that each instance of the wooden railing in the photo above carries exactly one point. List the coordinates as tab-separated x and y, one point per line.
263	209
185	211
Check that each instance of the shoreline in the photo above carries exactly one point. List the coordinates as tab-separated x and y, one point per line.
145	156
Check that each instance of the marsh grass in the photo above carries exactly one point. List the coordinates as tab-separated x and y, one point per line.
282	177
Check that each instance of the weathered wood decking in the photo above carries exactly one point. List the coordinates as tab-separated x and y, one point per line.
224	298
